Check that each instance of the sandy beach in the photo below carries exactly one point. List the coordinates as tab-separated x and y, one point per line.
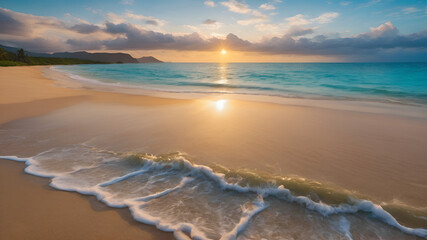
51	214
213	120
377	156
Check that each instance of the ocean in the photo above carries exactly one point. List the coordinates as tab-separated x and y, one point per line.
203	202
385	82
219	175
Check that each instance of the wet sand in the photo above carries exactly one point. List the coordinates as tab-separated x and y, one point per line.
30	209
378	155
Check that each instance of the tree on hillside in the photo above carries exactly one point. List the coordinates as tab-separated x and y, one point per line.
3	54
21	57
6	56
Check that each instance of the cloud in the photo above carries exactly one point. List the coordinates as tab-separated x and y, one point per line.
300	19
35	44
27	25
132	37
325	17
345	3
9	25
207	26
250	21
237	7
267	6
92	44
112	17
242	8
85	28
370	3
410	10
406	11
94	11
384	30
209	3
148	19
127	2
266	27
47	34
135	38
209	21
382	38
211	24
296	31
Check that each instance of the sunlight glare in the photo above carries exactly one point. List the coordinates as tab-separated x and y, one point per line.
222	81
220	104
223	51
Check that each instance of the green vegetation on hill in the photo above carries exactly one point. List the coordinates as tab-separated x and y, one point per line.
21	59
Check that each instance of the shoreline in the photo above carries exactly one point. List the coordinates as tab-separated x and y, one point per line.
31	209
44	98
69	80
362	205
52	214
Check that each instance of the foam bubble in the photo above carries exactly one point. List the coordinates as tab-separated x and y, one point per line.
122	168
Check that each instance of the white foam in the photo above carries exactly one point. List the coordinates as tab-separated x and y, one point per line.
119	179
199	170
247	215
322	208
179	235
15	158
30	162
184	181
344	226
179	229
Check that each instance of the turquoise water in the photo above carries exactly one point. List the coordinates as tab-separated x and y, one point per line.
210	201
395	82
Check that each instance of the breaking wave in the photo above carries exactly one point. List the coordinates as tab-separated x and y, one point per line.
214	202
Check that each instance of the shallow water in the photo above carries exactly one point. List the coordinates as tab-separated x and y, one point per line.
386	82
193	200
216	167
306	174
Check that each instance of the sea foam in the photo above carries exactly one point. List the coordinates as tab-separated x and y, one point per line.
145	179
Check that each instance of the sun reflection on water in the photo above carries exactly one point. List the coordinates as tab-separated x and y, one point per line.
223	80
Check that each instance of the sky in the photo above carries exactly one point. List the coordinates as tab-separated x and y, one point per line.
197	31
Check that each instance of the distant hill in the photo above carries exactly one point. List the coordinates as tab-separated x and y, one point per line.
21	58
98	57
148	59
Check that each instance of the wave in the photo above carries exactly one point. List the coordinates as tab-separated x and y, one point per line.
138	181
221	88
226	86
376	91
377	95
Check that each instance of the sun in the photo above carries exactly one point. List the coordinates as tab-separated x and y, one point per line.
223	51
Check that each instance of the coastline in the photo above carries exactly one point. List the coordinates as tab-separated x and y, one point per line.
69	80
27	92
31	209
32	102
